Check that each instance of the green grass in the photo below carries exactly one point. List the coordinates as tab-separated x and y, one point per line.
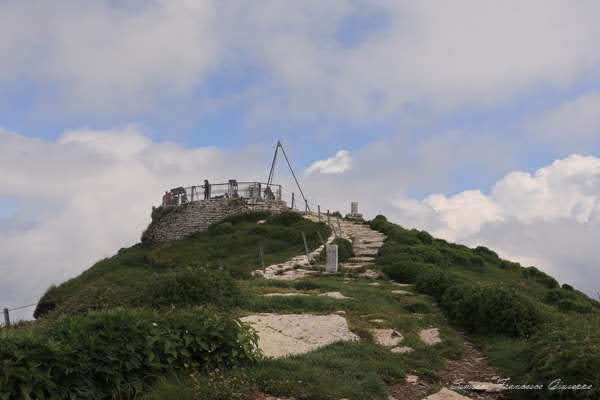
125	278
214	268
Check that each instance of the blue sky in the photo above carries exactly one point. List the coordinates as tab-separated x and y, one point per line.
476	120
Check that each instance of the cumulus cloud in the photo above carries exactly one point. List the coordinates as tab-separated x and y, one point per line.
115	56
549	218
80	198
339	163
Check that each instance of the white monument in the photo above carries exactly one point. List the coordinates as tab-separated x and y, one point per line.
332	258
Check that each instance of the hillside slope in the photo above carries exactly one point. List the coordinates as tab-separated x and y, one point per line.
164	321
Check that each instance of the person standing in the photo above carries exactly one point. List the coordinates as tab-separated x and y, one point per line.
206	190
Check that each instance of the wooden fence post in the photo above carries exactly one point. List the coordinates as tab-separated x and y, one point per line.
319	211
292	201
305	247
6	317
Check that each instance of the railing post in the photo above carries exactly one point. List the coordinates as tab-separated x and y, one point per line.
6	317
319	211
305	247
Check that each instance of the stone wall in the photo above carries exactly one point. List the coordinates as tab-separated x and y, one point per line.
174	223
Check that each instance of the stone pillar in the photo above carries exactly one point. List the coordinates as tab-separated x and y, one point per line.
354	208
332	258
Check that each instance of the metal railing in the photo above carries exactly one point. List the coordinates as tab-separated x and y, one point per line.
230	190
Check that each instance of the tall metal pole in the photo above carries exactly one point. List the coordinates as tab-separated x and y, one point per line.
273	163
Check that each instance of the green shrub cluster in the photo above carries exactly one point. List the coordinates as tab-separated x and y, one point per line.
220	228
286	218
570	300
116	353
434	281
188	287
539	276
491	310
344	249
568	350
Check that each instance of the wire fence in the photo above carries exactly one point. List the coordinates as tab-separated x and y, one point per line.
231	190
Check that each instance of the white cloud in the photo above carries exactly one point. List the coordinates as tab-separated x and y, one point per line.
551	217
86	195
339	163
103	56
575	119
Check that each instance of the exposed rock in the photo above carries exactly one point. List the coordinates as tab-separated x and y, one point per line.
335	295
399	291
284	294
430	336
402	349
387	337
486	386
446	394
412	379
375	284
287	334
377	320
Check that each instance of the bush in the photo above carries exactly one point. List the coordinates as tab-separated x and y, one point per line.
220	229
425	237
47	303
434	282
418	308
344	249
286	218
405	272
254	216
539	276
189	287
110	354
491	310
567	287
569	350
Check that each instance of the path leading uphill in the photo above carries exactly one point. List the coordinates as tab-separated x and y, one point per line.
285	334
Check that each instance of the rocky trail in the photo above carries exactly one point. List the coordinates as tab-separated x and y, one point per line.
287	334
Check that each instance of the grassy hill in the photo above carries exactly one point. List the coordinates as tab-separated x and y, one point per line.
162	321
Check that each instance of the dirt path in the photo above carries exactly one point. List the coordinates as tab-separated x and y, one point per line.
281	334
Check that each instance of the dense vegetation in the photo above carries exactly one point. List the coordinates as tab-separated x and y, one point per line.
103	354
557	327
161	321
197	270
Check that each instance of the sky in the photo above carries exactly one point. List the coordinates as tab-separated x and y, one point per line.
478	121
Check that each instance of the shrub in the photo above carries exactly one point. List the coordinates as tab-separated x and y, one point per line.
434	282
47	303
220	229
344	249
477	261
286	218
405	272
486	253
567	305
491	310
567	287
188	287
114	354
569	350
425	237
254	216
418	308
539	276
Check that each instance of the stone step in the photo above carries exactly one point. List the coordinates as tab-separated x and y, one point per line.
356	260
